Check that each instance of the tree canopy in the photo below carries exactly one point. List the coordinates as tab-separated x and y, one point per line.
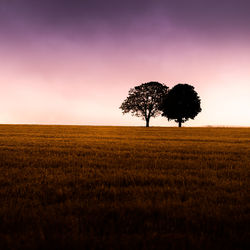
181	103
145	100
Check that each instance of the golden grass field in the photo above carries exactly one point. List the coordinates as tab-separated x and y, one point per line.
84	187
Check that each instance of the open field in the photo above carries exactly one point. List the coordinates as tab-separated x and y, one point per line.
83	187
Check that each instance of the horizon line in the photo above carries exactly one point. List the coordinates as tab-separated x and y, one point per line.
102	125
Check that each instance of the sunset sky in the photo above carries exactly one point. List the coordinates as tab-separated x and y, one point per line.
73	61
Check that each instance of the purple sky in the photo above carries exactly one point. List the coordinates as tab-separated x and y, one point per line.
73	62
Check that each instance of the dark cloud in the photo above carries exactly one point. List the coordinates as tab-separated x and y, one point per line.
89	16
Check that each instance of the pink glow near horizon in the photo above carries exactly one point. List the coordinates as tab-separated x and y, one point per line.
54	79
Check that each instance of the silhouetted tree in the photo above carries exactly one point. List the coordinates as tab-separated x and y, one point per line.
181	103
144	100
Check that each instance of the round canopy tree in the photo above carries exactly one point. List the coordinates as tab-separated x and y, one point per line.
145	100
181	103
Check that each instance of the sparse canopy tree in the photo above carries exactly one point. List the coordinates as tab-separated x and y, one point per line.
181	103
145	100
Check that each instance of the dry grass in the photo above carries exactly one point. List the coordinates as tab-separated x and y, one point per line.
73	187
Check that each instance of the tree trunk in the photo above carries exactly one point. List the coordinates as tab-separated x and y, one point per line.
180	122
147	122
